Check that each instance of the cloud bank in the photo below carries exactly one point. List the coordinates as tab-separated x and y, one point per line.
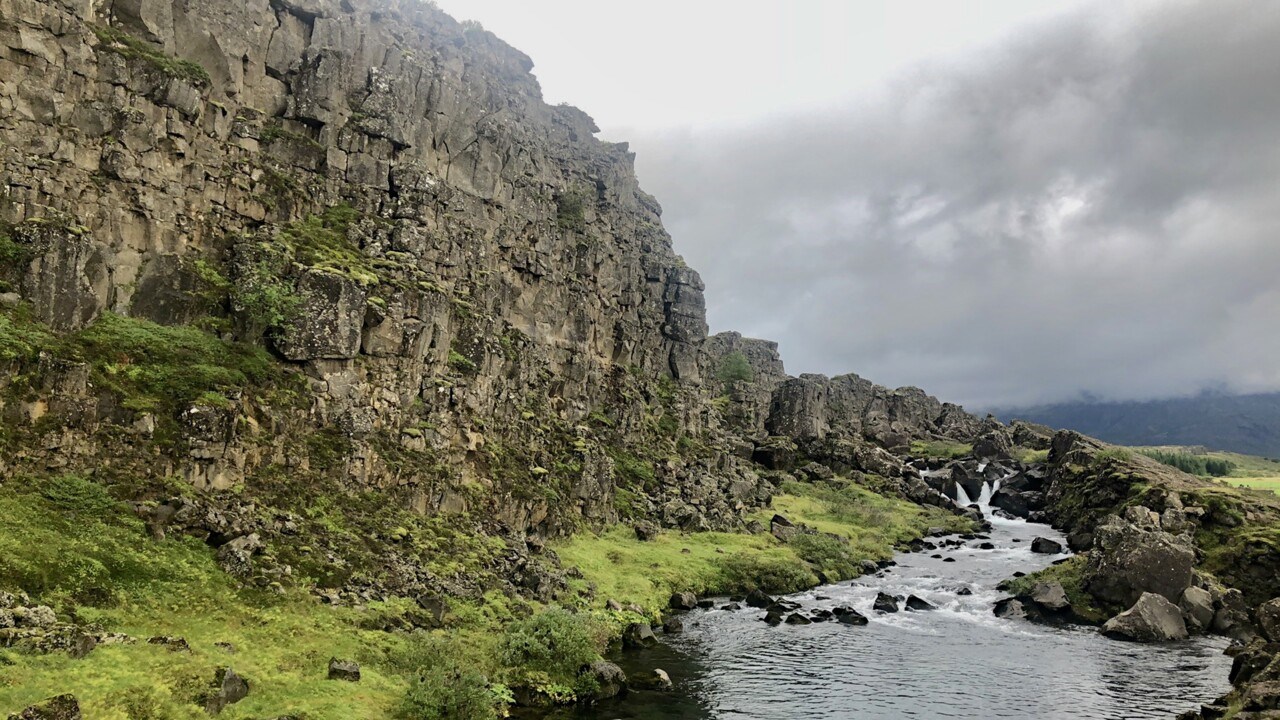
1090	206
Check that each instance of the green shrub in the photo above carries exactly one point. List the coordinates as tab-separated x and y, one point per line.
76	495
156	368
570	209
555	642
770	573
827	553
1192	464
734	368
20	336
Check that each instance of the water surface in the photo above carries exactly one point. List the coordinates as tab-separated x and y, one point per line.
958	661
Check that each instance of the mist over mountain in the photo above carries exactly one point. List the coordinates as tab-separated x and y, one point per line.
1240	423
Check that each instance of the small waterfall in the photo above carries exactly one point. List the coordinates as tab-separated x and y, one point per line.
962	498
984	497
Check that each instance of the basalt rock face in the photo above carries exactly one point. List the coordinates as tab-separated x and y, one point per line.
468	303
494	258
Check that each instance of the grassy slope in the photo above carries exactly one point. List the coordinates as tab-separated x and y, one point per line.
1250	471
84	555
630	571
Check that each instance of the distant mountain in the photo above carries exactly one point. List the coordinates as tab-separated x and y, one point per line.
1247	424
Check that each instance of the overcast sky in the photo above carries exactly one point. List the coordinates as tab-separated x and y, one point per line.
1003	202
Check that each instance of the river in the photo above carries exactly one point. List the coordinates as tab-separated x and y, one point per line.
958	661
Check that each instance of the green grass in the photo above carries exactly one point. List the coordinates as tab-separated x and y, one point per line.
131	48
66	542
940	449
1071	575
647	573
1249	471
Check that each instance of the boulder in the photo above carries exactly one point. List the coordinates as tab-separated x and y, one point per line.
1151	619
1045	546
918	603
758	599
849	616
683	601
638	635
1128	560
645	530
610	680
347	670
1049	596
62	707
1197	608
655	679
1232	616
798	619
37	616
1268	617
885	603
672	625
227	688
1010	609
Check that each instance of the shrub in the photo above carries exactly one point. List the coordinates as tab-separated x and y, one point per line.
734	368
1192	464
769	573
828	553
76	495
570	209
450	692
159	368
555	642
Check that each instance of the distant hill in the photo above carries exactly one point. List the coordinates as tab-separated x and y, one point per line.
1247	424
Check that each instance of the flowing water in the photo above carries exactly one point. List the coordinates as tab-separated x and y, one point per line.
958	661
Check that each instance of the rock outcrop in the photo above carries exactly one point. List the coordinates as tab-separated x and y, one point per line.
1151	619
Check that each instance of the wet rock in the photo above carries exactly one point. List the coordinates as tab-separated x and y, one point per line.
347	670
1010	608
655	679
1197	608
918	603
849	616
1046	546
773	617
758	599
227	688
798	619
1151	619
731	606
1232	616
611	681
672	626
62	707
885	603
706	604
683	601
1049	596
638	635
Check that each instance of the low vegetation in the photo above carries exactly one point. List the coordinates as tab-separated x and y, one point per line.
131	48
1071	575
940	449
1202	465
869	526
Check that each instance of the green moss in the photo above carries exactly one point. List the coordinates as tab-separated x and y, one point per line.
157	368
125	45
628	570
323	242
570	211
1071	575
21	337
941	449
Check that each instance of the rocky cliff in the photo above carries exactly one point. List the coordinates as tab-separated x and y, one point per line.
260	247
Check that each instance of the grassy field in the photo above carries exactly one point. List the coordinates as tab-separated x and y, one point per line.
647	573
1250	470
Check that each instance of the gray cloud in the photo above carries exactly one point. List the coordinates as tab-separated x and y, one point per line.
1093	205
